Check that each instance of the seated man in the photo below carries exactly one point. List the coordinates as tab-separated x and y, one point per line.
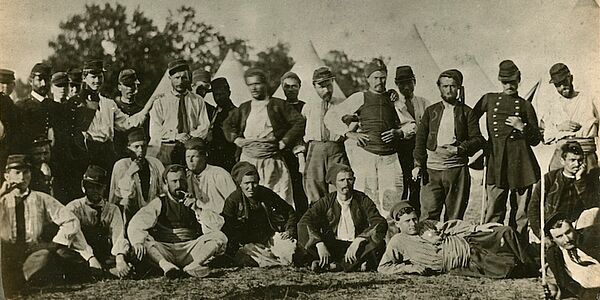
135	180
573	258
41	174
457	247
572	190
174	235
101	224
343	229
26	217
259	224
210	185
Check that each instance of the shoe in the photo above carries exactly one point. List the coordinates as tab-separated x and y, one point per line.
314	266
173	273
197	271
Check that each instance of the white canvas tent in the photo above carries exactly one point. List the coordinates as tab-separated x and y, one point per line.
412	51
233	71
307	60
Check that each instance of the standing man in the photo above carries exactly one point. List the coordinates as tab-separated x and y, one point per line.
322	147
40	154
177	116
447	135
37	113
137	179
511	165
290	82
262	128
128	87
173	234
210	185
75	81
221	152
60	87
344	229
96	117
410	109
571	116
371	146
7	81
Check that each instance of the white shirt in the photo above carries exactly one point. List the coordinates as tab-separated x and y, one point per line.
108	117
345	229
587	276
580	109
446	132
214	185
37	96
164	117
258	124
312	113
408	123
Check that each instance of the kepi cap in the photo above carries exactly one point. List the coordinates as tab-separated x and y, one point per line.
60	79
508	71
93	66
322	74
290	74
41	69
454	74
95	174
200	75
558	72
177	65
7	76
17	161
128	77
75	75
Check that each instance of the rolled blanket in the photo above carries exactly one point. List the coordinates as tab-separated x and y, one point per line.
456	253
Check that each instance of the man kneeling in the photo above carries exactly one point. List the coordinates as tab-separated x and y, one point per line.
342	230
174	232
457	247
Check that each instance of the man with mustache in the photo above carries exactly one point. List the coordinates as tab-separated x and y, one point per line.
128	86
447	135
322	147
260	226
262	128
343	230
40	154
136	180
221	151
571	190
7	81
371	145
573	258
174	233
177	116
571	115
102	225
26	219
512	168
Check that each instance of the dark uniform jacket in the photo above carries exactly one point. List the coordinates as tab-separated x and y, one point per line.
568	196
256	220
466	128
221	151
511	162
320	222
8	117
288	124
35	120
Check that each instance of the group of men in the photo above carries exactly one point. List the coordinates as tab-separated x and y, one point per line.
107	186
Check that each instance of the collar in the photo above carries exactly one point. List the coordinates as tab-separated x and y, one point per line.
567	176
177	95
340	201
25	194
259	103
100	204
447	105
37	96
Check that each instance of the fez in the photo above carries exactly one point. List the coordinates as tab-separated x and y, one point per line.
454	74
559	72
136	135
397	209
242	169
404	73
177	66
375	65
128	77
7	76
290	74
508	71
96	175
322	74
60	79
220	82
200	75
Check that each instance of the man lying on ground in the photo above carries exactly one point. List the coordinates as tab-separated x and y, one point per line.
457	247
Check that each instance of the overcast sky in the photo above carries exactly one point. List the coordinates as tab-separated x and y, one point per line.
534	33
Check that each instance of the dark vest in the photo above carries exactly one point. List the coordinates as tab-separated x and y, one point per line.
175	215
376	115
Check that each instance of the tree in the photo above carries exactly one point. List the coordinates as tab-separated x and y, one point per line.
348	72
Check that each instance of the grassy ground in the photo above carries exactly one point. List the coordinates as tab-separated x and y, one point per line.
291	283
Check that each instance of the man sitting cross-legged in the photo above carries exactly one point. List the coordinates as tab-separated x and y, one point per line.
260	226
342	230
457	247
173	234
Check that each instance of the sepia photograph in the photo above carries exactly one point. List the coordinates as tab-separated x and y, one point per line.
314	149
